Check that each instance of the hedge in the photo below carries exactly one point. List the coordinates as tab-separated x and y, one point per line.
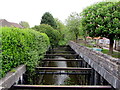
21	46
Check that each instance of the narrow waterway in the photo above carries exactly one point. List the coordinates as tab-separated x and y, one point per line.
62	79
54	77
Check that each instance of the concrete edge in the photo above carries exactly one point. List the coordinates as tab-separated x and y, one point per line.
12	77
114	81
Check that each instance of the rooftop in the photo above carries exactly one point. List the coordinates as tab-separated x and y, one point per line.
4	23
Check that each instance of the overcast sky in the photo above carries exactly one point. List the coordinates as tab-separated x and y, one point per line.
32	10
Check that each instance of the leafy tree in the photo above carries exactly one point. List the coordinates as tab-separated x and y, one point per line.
47	18
53	34
24	24
73	25
62	30
102	19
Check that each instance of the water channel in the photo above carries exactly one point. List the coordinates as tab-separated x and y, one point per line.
61	79
66	79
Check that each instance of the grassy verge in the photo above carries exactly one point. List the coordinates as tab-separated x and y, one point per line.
87	45
115	54
105	51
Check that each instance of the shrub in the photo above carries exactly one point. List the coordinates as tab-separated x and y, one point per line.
53	34
21	46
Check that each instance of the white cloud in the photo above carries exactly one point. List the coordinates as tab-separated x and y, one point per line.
32	10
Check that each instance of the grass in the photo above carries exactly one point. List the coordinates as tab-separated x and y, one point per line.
115	54
105	51
13	70
87	45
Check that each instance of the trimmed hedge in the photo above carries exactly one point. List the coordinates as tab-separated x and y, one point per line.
21	46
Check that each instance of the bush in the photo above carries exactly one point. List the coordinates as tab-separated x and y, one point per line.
21	46
53	34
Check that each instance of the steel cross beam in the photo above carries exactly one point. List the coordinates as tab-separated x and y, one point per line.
61	55
67	73
63	87
62	60
63	68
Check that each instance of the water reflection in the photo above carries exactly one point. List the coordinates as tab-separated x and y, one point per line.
61	63
60	79
56	79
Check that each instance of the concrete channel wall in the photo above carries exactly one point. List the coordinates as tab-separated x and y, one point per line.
12	77
107	66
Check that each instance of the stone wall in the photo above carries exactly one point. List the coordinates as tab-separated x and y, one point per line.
107	66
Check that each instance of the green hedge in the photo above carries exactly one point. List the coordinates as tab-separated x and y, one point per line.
21	46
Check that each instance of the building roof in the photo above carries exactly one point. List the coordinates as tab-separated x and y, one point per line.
16	25
4	23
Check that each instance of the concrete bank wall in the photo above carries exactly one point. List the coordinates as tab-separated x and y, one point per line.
105	65
12	77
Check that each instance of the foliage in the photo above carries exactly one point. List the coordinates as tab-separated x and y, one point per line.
73	25
22	46
47	18
63	32
53	34
102	19
24	24
69	82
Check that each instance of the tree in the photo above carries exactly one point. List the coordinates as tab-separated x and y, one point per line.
53	34
102	19
47	18
73	25
62	30
24	24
